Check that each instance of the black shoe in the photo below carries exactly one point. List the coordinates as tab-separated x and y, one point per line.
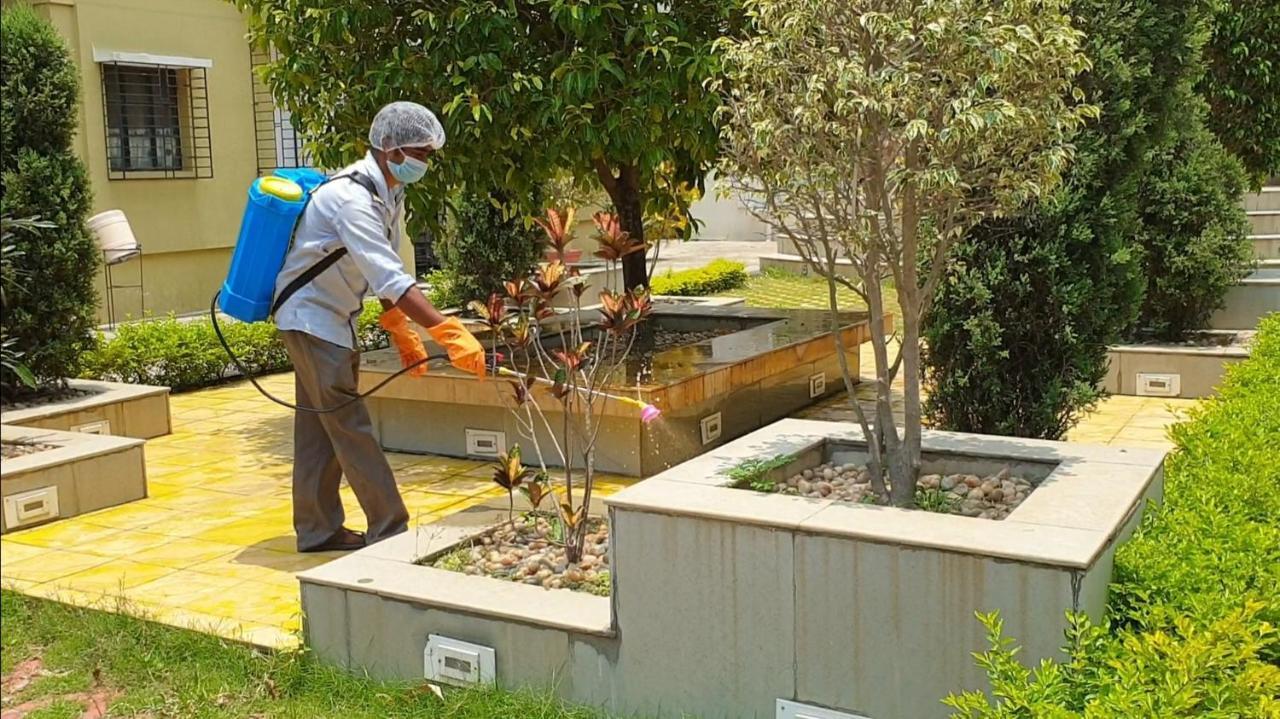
345	540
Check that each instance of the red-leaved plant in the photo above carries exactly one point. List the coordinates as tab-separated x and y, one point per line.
558	364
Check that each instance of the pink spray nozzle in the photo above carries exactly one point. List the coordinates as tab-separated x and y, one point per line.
649	413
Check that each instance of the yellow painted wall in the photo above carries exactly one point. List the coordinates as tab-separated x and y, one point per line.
187	227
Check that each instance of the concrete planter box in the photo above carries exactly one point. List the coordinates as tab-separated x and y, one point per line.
112	408
1186	370
771	363
1245	304
85	472
726	600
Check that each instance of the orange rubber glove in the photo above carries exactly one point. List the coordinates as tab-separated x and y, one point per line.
464	349
407	342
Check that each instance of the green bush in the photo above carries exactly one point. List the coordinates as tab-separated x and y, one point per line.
1194	605
186	354
718	276
1242	82
483	247
1194	234
1016	341
52	323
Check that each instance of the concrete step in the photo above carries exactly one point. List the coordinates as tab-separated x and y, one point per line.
1264	222
1266	247
1257	296
1267	199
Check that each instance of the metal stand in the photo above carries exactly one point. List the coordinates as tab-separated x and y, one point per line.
107	262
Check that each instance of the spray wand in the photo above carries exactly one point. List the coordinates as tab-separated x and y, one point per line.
648	412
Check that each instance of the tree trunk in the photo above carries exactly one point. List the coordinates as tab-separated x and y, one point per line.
624	190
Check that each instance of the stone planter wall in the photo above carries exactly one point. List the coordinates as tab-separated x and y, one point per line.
90	472
130	410
726	600
1199	369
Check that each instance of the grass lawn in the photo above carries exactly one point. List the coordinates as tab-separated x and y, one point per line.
786	290
60	661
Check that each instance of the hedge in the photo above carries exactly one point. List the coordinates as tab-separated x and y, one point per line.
717	276
186	354
49	300
1195	600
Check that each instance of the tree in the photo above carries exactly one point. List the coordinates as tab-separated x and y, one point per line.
49	301
1194	237
1242	82
879	132
1017	340
607	88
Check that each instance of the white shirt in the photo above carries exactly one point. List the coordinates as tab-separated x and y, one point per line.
344	214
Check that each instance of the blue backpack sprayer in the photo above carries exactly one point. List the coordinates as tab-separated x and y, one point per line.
271	217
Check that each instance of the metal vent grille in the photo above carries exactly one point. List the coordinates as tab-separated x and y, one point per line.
157	121
277	143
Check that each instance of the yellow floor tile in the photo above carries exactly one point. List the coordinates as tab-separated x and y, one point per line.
157	488
53	564
124	544
247	485
247	532
250	563
67	533
183	552
187	524
134	514
113	578
459	484
160	470
11	551
184	589
427	502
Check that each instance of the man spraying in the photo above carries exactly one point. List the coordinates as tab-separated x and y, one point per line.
359	218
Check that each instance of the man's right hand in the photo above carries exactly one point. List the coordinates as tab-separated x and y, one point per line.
406	340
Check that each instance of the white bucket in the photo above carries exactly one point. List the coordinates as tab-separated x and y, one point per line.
114	236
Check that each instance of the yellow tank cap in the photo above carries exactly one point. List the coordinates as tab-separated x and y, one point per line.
287	190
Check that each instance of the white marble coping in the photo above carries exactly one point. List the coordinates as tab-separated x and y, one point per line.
387	569
1068	521
69	446
104	393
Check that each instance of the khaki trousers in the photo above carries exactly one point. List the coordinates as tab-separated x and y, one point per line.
332	445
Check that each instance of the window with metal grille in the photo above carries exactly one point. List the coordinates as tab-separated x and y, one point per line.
278	144
157	121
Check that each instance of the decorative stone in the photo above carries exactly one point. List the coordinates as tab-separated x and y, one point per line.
995	495
948	482
972	480
824	488
805	487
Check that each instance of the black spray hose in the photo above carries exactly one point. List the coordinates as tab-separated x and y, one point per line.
213	316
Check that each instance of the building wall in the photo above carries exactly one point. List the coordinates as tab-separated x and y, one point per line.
187	227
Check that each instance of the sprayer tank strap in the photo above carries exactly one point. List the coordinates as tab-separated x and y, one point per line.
328	260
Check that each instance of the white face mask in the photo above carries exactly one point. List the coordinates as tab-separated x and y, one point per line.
409	171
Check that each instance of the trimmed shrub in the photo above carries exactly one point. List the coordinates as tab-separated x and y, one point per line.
1242	82
1194	236
484	246
52	324
1195	602
186	354
1016	342
717	276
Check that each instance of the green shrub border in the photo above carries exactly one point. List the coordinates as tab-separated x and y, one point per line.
719	275
1194	604
184	354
